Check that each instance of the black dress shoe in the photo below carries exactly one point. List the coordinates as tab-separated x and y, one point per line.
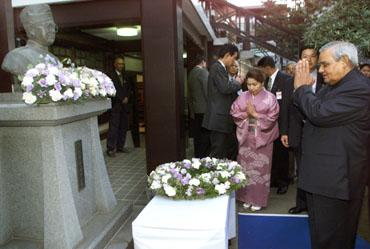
297	210
111	153
282	190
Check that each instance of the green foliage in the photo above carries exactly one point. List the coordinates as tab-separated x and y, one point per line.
347	20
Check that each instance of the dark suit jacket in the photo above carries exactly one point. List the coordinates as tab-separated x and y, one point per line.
122	91
296	118
335	136
283	83
222	92
197	89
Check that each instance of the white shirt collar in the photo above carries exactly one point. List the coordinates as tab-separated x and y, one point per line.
314	75
118	72
222	64
273	76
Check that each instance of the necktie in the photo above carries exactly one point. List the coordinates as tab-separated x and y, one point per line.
269	84
120	79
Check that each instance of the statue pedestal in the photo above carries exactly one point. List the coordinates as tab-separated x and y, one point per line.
54	187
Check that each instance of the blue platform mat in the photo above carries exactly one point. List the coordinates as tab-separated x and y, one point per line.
269	231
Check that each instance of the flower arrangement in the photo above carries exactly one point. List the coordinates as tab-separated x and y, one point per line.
49	82
197	179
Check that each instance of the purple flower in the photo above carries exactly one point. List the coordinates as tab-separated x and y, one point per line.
42	82
58	86
184	181
29	88
187	165
200	191
235	179
178	176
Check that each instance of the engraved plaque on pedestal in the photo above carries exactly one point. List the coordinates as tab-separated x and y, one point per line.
80	165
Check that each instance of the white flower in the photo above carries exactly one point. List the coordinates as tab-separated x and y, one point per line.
55	95
240	176
32	72
233	164
40	66
206	177
189	190
93	91
165	178
225	174
220	188
183	171
186	161
93	81
155	185
227	185
102	92
196	164
188	176
27	81
29	98
215	181
77	92
68	93
170	191
194	182
53	70
51	80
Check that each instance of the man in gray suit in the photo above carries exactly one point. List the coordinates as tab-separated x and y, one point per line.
197	99
222	91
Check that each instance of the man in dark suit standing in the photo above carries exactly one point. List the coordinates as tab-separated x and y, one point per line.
118	123
335	135
296	121
281	85
197	99
222	91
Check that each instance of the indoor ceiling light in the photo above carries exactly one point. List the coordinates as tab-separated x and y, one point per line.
128	31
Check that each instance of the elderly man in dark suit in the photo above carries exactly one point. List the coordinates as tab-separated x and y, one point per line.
197	99
335	135
118	123
222	91
296	120
281	85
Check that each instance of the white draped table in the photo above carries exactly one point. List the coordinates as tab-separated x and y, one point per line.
197	224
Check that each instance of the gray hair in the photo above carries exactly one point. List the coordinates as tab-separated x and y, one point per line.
340	48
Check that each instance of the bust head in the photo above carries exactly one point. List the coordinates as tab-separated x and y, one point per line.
39	24
40	27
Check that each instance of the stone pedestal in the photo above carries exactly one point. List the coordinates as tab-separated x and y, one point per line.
44	196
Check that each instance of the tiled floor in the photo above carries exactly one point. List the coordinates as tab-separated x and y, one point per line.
127	173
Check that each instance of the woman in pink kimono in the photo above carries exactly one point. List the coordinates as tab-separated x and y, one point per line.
255	113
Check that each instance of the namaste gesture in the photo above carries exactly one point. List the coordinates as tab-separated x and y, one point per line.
302	74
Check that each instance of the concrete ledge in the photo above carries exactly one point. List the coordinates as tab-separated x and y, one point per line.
97	233
100	230
15	113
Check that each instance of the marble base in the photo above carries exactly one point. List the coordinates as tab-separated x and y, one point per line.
97	233
40	197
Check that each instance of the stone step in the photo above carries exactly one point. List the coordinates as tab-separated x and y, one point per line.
97	233
123	238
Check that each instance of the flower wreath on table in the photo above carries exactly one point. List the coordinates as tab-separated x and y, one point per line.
49	82
196	179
